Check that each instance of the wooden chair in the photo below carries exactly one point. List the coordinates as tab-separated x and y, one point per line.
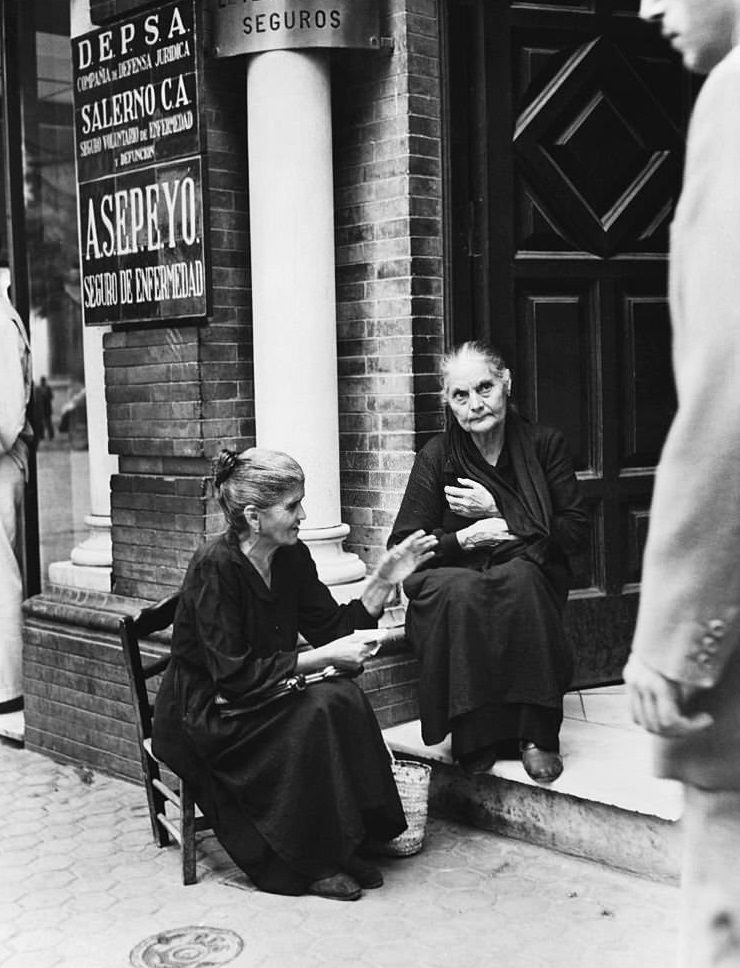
181	824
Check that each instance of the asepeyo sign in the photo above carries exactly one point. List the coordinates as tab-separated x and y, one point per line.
139	154
251	26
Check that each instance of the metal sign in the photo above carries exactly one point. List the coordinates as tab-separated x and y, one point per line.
141	236
252	26
138	137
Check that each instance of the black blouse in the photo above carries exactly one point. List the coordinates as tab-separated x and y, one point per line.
424	504
238	636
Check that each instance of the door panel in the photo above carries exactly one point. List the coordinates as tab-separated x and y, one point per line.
566	147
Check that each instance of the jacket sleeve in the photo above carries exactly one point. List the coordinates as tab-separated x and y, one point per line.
688	622
233	663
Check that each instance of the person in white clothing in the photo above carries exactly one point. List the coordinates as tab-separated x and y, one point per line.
15	437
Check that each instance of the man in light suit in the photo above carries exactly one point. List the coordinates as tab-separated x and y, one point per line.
15	437
683	675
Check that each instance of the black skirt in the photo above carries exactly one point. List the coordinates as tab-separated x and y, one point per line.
292	789
495	661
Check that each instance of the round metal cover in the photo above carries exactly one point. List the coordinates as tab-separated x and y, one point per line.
192	947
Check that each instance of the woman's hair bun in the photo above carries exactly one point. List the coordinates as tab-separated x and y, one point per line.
224	465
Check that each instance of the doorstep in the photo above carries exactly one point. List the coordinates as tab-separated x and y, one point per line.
606	806
12	726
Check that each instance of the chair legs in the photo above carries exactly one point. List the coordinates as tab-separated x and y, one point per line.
187	834
180	826
157	803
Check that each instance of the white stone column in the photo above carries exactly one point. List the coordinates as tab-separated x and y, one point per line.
90	562
291	204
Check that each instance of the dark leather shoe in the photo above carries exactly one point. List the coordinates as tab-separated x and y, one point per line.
478	763
544	766
339	887
366	875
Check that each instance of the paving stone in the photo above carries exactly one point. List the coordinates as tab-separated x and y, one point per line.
469	899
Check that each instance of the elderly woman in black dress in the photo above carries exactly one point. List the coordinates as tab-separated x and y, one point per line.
485	615
294	785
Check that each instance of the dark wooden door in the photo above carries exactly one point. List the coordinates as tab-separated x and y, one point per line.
566	132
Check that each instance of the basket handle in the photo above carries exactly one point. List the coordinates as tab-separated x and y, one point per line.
391	754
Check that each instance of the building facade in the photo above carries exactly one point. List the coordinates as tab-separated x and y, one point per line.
472	168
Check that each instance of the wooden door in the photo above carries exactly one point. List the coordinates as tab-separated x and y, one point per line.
566	132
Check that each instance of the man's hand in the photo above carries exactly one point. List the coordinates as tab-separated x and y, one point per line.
656	702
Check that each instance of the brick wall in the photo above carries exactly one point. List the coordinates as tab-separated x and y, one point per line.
176	395
388	176
77	697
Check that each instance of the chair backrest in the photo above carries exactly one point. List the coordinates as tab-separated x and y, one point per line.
134	628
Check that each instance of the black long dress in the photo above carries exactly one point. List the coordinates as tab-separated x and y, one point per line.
294	786
487	624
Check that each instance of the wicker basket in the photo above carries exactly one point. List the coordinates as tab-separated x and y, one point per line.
412	780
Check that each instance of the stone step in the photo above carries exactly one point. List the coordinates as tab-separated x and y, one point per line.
12	726
607	806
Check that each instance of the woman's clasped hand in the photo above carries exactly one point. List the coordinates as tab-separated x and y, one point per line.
471	500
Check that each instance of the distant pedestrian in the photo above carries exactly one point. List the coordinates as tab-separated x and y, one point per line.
42	398
15	435
683	676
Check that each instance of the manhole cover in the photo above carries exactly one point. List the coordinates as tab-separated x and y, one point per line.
194	947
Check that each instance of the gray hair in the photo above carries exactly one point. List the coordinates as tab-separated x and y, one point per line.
476	348
257	476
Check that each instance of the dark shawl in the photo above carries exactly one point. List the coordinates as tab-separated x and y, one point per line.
487	624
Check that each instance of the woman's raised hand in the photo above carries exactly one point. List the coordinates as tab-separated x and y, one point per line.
471	500
402	559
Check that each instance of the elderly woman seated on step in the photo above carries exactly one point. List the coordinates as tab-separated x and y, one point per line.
485	615
292	782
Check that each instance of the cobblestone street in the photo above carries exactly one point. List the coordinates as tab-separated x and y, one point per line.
83	886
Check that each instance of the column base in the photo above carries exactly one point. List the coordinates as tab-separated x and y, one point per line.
97	550
90	563
335	565
70	575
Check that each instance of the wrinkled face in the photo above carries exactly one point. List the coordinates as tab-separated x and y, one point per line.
703	31
477	394
279	524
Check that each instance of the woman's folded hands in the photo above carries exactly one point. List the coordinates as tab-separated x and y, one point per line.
484	534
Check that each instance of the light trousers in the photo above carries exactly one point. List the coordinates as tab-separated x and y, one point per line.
710	922
11	584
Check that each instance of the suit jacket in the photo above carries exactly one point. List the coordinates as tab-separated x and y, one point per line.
16	382
688	625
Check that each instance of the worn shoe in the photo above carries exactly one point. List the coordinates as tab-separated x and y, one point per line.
544	766
480	762
339	887
366	875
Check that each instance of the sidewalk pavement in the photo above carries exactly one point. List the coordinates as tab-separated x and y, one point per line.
83	885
